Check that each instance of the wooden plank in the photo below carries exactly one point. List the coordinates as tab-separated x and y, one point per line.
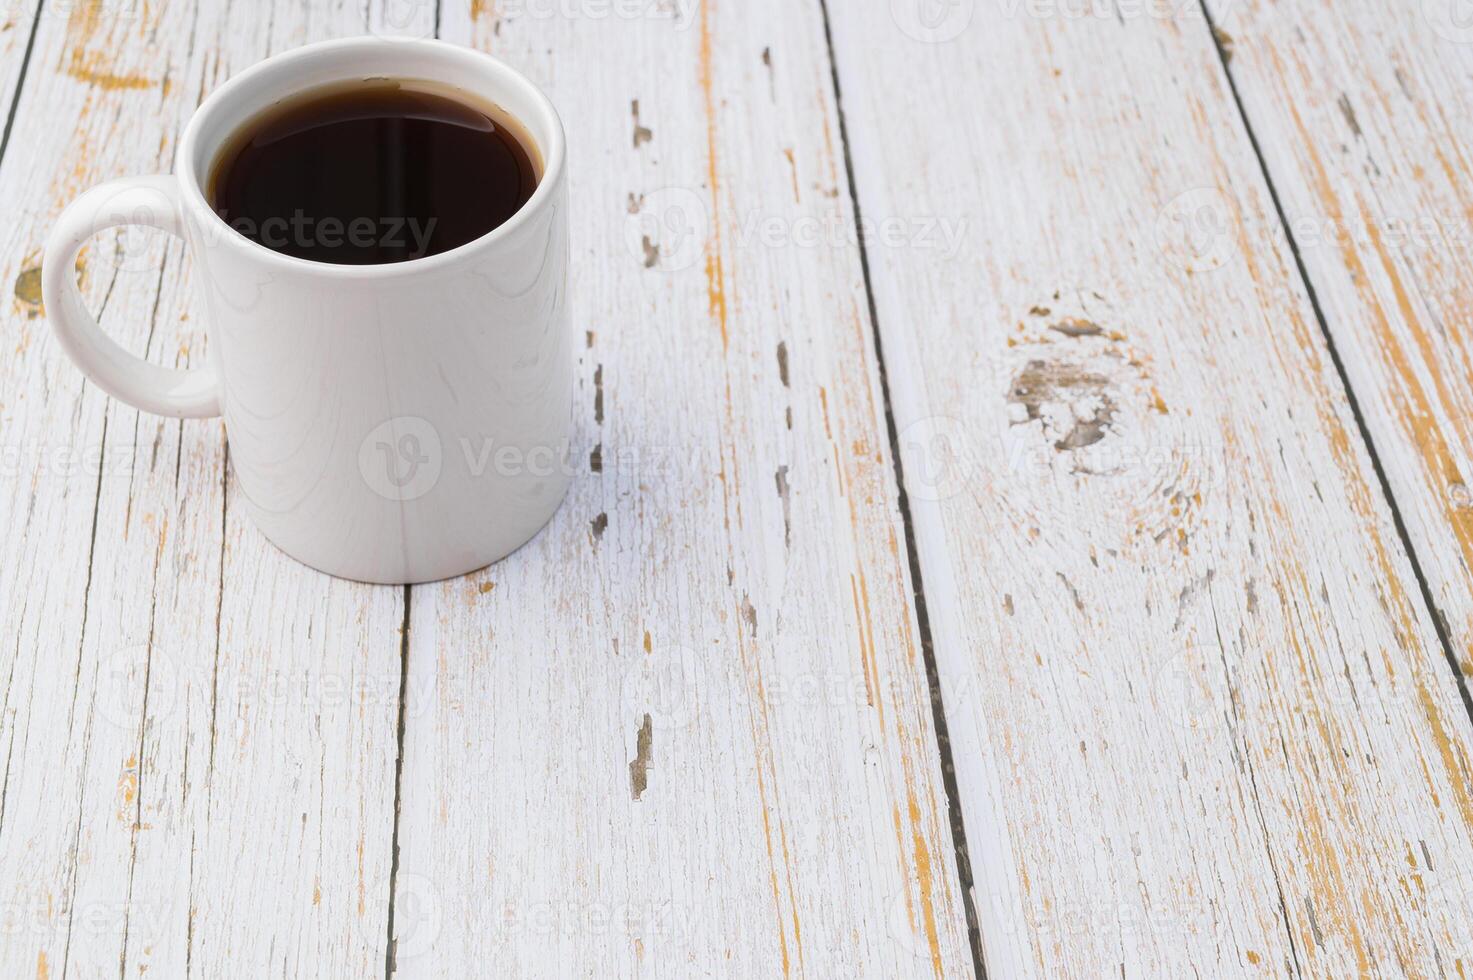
1364	124
687	730
192	779
1200	716
17	25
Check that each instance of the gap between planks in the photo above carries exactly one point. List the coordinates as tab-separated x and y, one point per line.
20	81
389	964
923	620
389	947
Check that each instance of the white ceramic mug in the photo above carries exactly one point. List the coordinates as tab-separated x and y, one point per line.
394	423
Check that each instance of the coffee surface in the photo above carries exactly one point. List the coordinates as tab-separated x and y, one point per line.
373	172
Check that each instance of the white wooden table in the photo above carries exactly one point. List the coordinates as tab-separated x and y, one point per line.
1024	526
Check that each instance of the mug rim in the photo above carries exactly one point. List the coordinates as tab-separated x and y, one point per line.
553	156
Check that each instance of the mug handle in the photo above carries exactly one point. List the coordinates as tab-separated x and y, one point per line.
152	201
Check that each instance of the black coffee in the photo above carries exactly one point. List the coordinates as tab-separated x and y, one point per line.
373	172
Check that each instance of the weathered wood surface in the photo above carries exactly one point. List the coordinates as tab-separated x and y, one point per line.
687	730
1200	714
199	735
1201	719
1366	127
16	23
